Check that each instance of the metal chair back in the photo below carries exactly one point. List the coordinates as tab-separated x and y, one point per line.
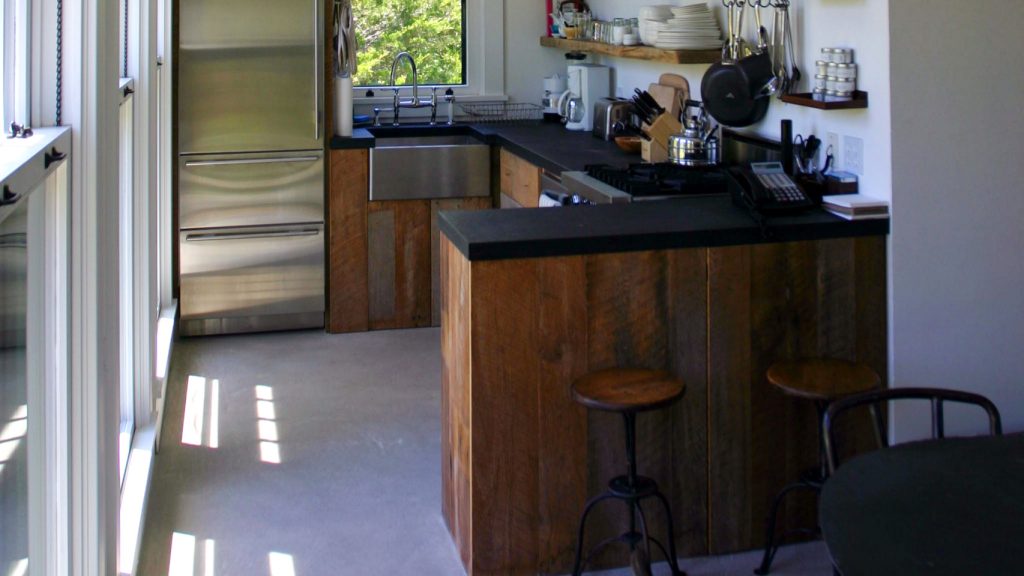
874	399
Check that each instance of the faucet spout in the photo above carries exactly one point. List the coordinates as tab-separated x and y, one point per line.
412	63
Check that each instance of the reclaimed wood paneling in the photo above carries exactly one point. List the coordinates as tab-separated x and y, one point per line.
520	180
687	290
476	203
399	264
714	317
348	308
729	399
456	400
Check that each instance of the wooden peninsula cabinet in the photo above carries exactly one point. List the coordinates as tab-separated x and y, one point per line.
650	285
383	256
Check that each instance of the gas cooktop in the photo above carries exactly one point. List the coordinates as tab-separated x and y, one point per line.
662	179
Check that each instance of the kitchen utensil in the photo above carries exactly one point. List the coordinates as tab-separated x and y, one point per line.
735	90
691	147
344	67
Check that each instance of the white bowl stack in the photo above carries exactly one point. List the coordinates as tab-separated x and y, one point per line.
689	27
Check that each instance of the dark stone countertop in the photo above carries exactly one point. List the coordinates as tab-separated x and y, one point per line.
530	233
547	145
681	223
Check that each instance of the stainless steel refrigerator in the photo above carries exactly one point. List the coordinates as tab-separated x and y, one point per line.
250	165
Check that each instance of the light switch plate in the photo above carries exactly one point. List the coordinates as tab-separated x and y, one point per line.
853	155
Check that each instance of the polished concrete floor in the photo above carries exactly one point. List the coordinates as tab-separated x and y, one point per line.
307	454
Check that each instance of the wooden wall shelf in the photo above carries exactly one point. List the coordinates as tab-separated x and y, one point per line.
635	52
860	100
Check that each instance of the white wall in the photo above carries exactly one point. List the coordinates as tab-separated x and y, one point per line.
958	203
858	24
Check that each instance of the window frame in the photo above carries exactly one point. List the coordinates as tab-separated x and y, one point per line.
484	61
14	53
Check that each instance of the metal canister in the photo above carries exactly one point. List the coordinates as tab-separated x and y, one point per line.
845	71
819	94
838	96
842	55
821	67
821	81
826	54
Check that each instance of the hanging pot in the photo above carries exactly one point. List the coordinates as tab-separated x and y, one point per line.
736	90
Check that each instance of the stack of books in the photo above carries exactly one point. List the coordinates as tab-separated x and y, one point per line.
855	206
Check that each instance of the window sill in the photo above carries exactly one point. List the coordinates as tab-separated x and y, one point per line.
23	163
145	444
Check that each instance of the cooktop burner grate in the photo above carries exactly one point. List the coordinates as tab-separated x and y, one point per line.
662	179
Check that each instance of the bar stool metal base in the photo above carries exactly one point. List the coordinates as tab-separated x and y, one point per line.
631	489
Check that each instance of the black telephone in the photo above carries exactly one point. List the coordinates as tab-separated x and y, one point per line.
767	188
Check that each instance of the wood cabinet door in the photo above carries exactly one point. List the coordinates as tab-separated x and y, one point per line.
520	180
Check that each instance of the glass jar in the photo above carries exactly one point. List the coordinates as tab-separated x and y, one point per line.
618	31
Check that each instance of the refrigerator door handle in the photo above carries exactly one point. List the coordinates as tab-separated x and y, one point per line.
281	160
318	68
249	235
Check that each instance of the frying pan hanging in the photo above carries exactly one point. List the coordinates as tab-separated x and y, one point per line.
736	90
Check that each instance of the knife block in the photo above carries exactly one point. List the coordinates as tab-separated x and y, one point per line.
656	149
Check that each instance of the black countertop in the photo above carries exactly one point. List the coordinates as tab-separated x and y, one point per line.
531	233
547	145
682	223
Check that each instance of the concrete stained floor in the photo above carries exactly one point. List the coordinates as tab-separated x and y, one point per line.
354	421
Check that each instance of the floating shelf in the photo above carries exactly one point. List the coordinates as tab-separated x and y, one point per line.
860	100
635	52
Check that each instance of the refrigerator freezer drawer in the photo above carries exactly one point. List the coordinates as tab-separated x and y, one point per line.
251	278
218	190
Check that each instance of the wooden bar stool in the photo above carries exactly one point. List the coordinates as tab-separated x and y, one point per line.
628	391
820	380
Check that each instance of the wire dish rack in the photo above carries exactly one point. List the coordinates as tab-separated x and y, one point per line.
503	111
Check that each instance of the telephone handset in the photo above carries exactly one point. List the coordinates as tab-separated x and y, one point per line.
766	187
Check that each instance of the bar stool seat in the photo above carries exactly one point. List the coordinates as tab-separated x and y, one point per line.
628	391
820	380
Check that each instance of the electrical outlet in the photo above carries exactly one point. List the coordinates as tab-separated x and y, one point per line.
853	155
832	141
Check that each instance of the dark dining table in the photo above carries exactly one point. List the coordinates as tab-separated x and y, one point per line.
952	506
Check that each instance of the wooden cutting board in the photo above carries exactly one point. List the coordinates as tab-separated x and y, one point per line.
667	97
676	81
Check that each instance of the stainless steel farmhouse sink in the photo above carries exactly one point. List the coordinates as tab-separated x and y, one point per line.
404	167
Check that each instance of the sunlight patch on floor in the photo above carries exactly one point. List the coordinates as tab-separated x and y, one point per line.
198	412
12	434
187	560
281	564
266	426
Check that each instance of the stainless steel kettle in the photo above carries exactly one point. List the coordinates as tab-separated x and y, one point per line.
696	145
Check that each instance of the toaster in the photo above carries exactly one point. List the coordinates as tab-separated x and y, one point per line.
609	115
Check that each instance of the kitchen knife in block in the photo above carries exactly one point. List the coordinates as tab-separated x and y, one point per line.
663	127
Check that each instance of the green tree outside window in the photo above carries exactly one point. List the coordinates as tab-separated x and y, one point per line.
430	30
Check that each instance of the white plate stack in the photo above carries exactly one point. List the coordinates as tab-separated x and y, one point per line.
691	27
651	18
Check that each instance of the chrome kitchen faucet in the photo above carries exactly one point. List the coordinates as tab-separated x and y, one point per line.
415	101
